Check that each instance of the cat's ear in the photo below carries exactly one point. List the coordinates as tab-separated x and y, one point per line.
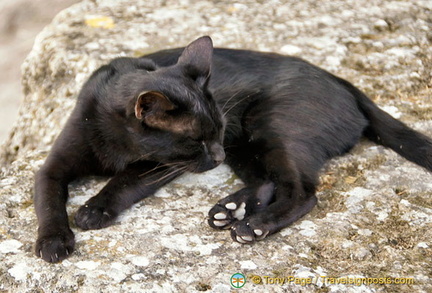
152	103
196	59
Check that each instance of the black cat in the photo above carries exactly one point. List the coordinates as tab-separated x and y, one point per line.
145	121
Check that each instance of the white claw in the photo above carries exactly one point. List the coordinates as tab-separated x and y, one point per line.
239	239
258	232
220	223
240	212
247	238
231	206
220	216
262	236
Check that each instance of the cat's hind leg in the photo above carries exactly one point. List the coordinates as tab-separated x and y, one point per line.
258	193
275	217
280	188
293	196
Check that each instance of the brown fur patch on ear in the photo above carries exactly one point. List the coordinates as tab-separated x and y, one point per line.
153	108
152	103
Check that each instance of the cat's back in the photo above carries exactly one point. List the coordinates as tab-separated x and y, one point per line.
232	60
237	73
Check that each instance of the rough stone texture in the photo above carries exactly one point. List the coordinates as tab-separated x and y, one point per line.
20	22
374	214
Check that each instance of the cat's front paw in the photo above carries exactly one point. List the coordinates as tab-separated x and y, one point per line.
249	230
55	248
90	217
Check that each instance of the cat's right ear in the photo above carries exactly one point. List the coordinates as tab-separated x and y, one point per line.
151	105
196	59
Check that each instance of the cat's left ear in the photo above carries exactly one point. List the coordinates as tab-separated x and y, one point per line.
152	103
196	59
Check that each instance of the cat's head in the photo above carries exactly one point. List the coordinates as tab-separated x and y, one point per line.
175	118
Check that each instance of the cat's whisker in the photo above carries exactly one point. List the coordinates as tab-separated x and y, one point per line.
168	166
231	146
170	172
145	156
182	163
162	165
229	99
158	166
235	104
232	126
225	112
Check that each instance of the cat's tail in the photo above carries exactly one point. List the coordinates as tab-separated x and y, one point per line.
389	132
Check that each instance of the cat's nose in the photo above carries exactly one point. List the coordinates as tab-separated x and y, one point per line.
219	159
217	153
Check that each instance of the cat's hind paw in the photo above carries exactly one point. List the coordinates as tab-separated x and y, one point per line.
239	205
89	217
222	216
247	231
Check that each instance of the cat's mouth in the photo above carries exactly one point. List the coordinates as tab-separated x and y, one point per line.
214	157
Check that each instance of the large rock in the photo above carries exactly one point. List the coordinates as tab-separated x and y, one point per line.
374	214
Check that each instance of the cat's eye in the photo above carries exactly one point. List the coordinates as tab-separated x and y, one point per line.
199	142
196	140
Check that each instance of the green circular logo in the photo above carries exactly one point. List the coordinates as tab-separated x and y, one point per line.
238	280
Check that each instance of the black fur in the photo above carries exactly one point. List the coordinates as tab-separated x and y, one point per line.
147	120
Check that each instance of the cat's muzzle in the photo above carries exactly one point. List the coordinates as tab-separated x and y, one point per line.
215	155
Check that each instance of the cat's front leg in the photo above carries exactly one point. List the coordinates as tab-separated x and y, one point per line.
55	239
126	188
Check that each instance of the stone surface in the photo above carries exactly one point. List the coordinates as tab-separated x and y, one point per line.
374	214
20	22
